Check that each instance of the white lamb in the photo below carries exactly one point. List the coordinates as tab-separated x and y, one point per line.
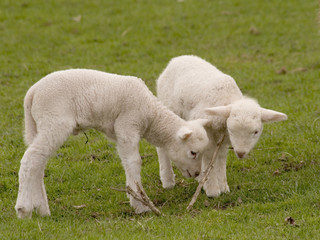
122	107
193	88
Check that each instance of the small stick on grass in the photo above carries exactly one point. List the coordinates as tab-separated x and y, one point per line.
141	196
205	176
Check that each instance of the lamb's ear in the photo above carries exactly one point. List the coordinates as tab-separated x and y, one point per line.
184	133
204	122
222	111
268	116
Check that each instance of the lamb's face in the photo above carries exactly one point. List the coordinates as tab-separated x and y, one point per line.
244	128
245	120
190	143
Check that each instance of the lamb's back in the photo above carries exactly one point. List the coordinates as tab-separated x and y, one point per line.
189	81
90	93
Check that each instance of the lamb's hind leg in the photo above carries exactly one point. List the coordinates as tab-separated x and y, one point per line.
32	194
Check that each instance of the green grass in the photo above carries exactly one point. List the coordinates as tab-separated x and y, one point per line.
250	40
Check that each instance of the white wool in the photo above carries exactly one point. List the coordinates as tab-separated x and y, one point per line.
193	88
122	107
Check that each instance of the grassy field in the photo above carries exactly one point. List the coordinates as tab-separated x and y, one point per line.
271	48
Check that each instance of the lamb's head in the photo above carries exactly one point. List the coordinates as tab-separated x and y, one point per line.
244	121
190	142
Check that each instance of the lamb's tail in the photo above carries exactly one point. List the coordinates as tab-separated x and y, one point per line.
29	123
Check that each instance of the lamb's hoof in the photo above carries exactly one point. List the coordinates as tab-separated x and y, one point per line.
212	191
141	208
225	189
23	212
43	211
138	206
199	178
168	184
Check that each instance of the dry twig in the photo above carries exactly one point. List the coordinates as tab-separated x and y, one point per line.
205	176
141	196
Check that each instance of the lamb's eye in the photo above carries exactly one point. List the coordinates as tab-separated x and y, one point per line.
193	153
256	132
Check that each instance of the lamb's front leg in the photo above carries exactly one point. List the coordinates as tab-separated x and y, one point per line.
131	160
167	176
211	186
221	167
217	180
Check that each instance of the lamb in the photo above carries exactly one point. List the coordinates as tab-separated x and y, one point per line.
193	88
67	102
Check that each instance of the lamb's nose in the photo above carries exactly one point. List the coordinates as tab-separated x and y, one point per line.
240	154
